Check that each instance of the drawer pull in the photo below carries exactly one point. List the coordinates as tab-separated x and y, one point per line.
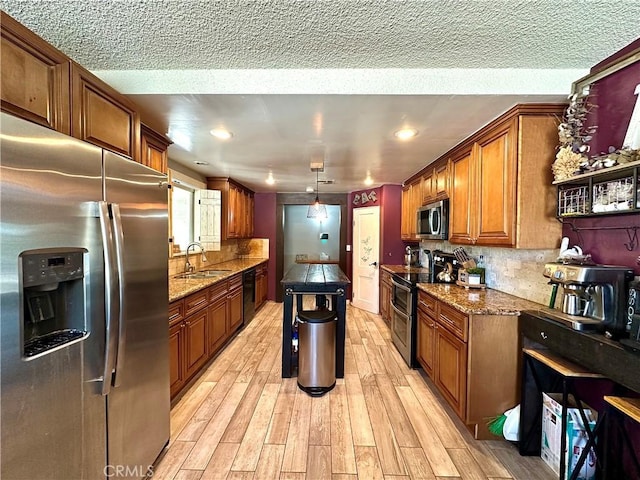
543	335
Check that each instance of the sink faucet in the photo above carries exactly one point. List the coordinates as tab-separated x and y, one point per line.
188	267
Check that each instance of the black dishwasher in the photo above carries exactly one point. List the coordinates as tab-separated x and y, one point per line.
249	295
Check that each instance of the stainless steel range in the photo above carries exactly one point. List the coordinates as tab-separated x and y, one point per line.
404	300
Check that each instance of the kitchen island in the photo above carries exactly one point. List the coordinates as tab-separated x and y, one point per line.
318	280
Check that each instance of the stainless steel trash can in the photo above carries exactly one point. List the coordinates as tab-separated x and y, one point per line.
316	351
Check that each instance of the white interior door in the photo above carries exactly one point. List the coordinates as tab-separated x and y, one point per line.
366	258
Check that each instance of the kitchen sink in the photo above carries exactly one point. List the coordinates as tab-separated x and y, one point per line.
203	274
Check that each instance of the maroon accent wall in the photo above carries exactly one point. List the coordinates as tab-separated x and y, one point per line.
390	202
264	226
391	247
614	100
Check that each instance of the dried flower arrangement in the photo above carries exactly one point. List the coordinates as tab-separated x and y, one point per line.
574	138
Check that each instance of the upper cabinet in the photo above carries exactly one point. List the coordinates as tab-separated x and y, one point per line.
34	77
42	85
153	149
499	181
411	201
483	197
238	203
431	185
435	182
102	116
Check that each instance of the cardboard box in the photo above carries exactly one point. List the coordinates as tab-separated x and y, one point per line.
576	436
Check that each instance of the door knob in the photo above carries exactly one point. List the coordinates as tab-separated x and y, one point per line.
374	264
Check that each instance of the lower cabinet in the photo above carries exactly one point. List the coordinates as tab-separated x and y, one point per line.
177	369
262	285
234	300
385	296
426	342
195	336
199	325
472	360
450	355
217	325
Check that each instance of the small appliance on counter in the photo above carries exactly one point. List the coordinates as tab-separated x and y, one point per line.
446	267
593	297
412	256
633	319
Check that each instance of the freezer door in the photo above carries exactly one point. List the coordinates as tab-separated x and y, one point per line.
53	414
138	402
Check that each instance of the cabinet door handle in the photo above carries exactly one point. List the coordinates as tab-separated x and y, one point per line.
543	335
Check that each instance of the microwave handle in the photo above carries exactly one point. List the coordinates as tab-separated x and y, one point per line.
434	221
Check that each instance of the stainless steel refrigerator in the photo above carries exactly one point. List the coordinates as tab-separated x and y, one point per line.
83	300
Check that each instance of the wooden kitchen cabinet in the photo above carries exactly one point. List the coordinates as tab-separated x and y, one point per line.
262	285
234	299
177	367
441	179
426	342
501	191
34	77
428	190
218	317
153	149
435	182
217	325
460	205
386	289
237	207
411	201
199	325
464	354
450	376
196	342
101	115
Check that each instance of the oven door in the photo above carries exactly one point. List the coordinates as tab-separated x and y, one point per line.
402	320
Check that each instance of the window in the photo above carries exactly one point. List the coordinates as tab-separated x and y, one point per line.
181	216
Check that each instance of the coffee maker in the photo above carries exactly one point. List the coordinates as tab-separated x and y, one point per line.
594	296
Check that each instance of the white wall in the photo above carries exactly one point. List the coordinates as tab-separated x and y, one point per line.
302	234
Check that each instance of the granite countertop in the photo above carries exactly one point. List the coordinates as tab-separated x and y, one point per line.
181	287
403	269
477	301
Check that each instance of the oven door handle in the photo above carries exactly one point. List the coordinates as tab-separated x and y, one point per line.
400	286
400	312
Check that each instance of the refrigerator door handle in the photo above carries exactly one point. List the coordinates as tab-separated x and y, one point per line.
112	306
118	236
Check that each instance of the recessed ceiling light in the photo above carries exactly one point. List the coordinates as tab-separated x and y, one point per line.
406	133
270	180
368	180
200	162
221	133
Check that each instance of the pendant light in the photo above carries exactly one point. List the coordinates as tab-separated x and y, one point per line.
317	209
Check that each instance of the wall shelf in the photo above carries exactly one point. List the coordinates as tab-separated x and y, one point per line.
610	191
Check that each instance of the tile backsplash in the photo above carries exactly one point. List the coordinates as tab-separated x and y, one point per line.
514	271
229	250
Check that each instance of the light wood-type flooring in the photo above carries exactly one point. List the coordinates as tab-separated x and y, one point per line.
241	420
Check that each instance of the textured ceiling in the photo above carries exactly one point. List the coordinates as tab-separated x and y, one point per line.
191	34
445	67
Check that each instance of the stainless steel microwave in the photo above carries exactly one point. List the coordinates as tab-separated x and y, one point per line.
433	221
